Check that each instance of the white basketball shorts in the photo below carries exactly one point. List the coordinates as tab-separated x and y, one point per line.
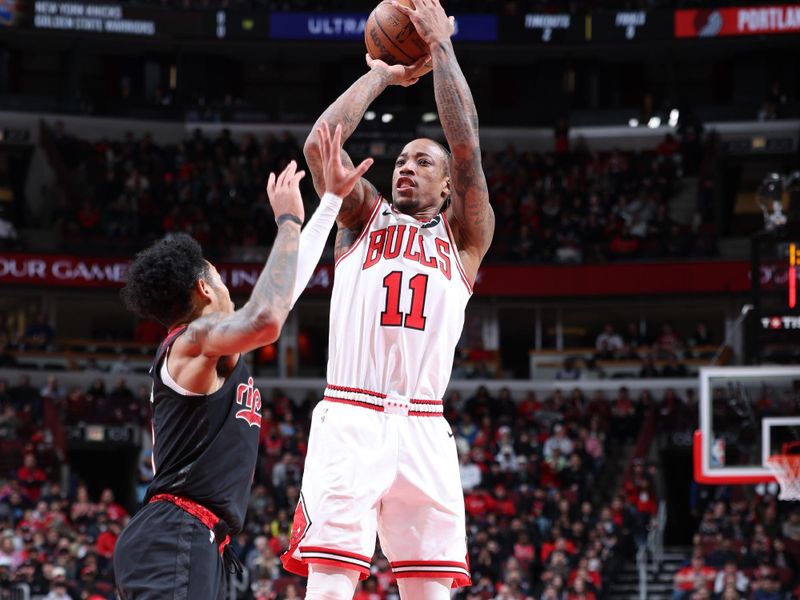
384	465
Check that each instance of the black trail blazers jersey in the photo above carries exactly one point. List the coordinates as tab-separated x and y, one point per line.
205	447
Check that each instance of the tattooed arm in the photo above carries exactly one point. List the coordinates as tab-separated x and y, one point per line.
260	320
347	111
472	214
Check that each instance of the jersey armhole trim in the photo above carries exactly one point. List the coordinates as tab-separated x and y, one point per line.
459	266
367	225
168	381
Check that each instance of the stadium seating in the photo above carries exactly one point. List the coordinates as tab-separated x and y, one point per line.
573	207
534	471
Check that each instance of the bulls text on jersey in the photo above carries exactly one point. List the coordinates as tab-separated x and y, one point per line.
394	240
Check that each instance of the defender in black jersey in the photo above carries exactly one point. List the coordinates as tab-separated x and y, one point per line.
206	410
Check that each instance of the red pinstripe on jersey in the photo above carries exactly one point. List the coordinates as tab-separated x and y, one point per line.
363	233
455	253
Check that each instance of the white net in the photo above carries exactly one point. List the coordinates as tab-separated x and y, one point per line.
786	468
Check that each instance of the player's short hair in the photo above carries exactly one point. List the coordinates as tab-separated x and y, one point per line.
447	156
160	280
446	153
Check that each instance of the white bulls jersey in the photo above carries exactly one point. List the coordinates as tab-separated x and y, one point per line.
397	310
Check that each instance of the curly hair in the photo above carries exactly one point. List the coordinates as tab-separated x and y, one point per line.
160	279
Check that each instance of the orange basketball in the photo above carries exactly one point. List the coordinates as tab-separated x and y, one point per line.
391	37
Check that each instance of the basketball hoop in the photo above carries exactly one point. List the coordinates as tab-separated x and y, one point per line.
786	468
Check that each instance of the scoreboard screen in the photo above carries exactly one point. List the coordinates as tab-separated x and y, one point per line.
775	270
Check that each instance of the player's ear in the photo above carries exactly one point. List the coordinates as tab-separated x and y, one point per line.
446	188
204	291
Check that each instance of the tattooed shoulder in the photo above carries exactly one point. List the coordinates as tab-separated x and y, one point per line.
198	329
345	238
357	206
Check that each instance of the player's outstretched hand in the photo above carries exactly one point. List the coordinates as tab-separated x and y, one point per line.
339	179
429	19
284	192
402	74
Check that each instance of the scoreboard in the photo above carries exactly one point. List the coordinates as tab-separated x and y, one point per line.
794	259
113	18
775	328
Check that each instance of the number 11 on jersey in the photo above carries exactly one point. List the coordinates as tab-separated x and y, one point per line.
391	315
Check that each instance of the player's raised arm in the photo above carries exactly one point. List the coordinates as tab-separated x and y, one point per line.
474	218
339	182
260	320
347	111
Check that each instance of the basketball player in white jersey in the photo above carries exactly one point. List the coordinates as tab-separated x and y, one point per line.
381	457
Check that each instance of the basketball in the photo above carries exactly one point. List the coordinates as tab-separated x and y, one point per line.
390	36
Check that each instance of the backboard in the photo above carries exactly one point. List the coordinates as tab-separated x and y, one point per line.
747	414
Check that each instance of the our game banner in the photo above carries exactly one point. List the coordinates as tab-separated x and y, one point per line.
47	270
737	21
350	26
40	270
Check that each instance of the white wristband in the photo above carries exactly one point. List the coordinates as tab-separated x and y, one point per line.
312	240
331	197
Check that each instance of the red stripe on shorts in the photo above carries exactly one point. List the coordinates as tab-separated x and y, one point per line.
336	558
354	403
340	388
419	413
344	553
332	562
428	563
442	569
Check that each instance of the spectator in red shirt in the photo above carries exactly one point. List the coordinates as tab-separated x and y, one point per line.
558	545
528	408
624	245
582	572
368	590
524	551
503	504
580	591
382	571
31	478
114	511
644	499
88	218
107	540
669	146
479	502
692	578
